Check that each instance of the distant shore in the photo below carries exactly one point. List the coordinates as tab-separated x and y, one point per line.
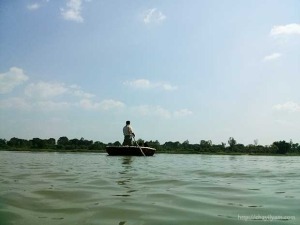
157	152
232	147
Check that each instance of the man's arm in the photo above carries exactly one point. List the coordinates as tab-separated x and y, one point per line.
131	132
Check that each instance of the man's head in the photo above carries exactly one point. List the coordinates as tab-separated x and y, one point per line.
127	122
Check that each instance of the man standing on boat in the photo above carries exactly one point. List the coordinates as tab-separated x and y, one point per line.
128	134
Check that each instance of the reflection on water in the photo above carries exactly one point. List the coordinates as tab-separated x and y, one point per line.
87	188
125	176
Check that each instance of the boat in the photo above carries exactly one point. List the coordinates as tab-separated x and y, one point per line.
130	150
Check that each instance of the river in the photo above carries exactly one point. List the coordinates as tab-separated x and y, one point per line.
175	189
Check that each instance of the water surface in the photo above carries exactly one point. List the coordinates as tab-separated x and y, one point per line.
90	188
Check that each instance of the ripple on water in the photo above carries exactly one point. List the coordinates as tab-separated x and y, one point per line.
165	189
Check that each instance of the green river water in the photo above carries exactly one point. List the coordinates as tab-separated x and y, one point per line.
90	188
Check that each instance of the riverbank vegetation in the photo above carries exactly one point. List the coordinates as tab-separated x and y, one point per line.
63	144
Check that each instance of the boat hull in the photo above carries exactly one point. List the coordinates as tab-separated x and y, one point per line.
130	150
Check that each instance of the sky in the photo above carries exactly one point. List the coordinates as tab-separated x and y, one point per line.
177	69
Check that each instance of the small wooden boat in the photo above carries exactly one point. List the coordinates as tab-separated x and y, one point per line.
130	150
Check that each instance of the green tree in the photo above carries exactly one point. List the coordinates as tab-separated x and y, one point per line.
85	143
283	147
97	145
154	144
117	143
255	142
170	144
3	144
63	141
205	144
231	142
18	143
50	143
38	143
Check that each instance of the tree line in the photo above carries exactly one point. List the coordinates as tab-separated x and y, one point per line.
203	147
63	143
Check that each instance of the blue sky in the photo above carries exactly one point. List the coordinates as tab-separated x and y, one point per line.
179	70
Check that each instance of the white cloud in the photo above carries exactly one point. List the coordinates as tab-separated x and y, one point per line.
289	106
153	16
158	111
73	11
166	87
182	113
33	6
39	96
149	110
139	83
29	104
288	29
51	105
15	103
111	104
76	91
45	90
37	5
146	84
272	57
11	79
103	105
